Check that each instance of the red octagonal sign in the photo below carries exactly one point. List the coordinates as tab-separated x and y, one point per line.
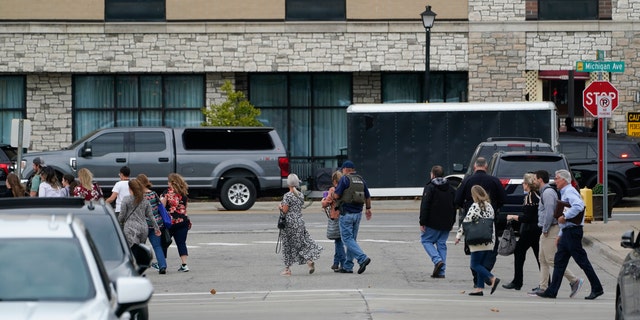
602	91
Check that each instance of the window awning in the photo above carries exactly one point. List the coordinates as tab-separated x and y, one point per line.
561	75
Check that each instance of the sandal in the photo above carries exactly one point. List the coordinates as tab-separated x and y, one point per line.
286	272
312	267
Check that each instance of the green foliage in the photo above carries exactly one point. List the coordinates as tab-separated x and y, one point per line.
597	189
236	111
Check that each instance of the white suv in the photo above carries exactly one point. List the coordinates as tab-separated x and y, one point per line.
53	271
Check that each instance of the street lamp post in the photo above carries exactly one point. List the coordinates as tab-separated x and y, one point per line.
428	17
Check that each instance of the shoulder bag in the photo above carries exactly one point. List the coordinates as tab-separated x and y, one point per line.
507	243
478	231
166	217
282	221
333	225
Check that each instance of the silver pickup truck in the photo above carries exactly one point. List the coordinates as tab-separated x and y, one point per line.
236	164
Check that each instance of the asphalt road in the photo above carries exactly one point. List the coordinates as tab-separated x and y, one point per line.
233	254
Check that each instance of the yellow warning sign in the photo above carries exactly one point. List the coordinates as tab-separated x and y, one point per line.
633	124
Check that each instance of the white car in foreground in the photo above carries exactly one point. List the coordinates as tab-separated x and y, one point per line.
52	270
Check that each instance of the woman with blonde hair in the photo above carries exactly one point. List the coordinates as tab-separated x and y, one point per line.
481	208
86	188
175	200
134	211
333	205
297	245
529	230
14	187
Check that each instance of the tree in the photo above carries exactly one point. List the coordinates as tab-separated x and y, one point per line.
236	111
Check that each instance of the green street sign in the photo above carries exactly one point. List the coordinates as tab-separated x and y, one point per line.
600	66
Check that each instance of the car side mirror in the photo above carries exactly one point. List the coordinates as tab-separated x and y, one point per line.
627	239
458	167
142	255
86	150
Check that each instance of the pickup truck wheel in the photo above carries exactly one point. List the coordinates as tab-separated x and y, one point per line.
238	194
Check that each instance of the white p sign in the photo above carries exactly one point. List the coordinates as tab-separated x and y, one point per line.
603	102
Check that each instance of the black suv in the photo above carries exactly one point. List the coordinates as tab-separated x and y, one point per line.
623	161
100	220
510	168
487	148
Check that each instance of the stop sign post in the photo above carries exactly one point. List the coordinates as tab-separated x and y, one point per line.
600	95
600	98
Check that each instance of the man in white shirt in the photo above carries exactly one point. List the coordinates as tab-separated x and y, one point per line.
120	189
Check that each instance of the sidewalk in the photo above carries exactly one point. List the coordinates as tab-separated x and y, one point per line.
603	237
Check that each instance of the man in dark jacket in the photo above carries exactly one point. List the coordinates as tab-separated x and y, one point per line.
497	194
437	215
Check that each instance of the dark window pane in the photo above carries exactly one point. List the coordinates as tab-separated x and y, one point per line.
148	142
108	143
134	10
567	9
409	87
224	140
315	10
401	88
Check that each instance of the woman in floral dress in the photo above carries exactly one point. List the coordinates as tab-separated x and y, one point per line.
297	245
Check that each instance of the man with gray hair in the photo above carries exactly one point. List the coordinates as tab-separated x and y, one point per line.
570	240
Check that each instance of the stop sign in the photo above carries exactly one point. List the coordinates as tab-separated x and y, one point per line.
602	90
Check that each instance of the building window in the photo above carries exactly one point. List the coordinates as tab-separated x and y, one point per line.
12	104
567	9
105	101
308	110
135	10
314	10
409	87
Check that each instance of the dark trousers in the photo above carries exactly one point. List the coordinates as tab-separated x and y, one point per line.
570	246
529	238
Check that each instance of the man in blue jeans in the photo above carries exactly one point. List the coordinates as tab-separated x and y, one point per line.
437	216
354	194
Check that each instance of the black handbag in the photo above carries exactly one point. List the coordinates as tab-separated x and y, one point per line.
282	220
478	231
165	238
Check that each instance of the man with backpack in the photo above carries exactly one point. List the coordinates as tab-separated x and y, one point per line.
549	196
437	216
353	192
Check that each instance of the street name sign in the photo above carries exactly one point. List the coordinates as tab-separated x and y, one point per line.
600	66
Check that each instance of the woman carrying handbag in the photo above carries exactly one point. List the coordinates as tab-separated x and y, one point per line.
482	211
529	230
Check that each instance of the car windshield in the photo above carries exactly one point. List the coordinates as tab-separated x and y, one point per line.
44	270
104	235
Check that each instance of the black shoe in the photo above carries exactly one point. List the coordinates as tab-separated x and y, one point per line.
364	265
344	271
511	285
438	276
594	295
335	267
496	282
479	293
437	268
162	271
544	294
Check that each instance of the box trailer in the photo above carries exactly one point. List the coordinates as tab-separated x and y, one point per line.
394	146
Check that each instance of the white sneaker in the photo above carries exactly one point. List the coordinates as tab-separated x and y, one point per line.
184	268
575	287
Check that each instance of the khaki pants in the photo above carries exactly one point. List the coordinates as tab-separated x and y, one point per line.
547	253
